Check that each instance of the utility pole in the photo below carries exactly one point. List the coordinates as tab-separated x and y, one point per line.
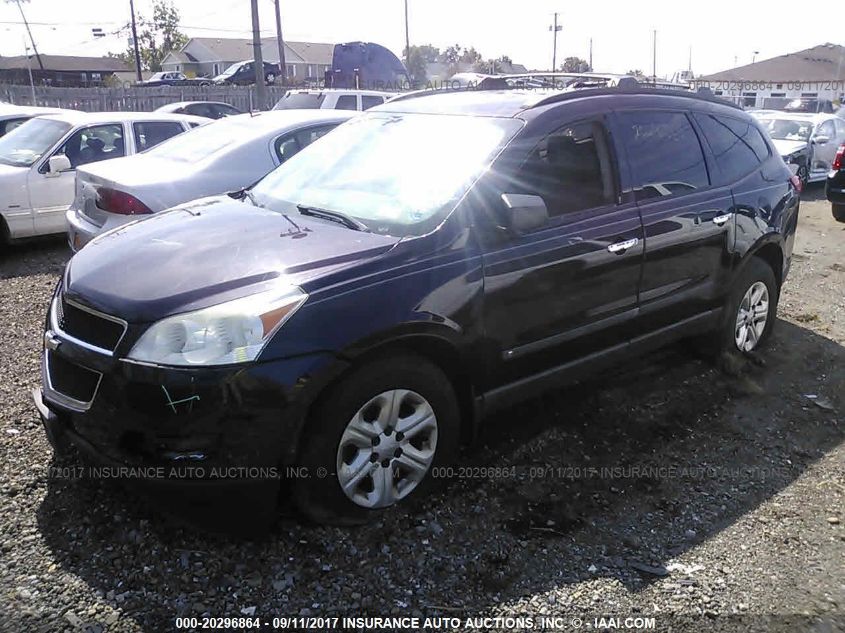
282	64
591	55
29	70
754	57
31	39
555	30
407	36
654	58
258	59
135	42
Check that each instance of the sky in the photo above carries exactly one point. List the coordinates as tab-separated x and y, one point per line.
721	34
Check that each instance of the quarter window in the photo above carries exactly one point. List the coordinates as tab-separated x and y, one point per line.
570	169
290	144
664	152
737	146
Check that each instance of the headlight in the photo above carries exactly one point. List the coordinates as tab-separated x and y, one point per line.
227	333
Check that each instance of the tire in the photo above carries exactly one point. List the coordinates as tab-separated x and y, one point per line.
367	397
271	78
838	212
756	275
804	176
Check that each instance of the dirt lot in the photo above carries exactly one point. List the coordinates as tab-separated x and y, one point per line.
709	498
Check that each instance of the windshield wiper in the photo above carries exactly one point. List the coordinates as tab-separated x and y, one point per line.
334	216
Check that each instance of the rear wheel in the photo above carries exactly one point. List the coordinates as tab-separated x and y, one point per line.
804	175
839	212
751	309
373	439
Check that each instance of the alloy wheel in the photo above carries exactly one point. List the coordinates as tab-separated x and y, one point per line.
751	317
387	448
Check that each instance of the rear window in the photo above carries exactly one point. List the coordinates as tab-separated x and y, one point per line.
664	152
205	141
737	146
300	101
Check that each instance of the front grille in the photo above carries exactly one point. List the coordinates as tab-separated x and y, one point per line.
88	326
71	380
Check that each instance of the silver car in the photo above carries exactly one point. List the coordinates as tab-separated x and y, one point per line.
224	156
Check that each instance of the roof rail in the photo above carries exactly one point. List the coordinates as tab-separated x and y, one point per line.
629	85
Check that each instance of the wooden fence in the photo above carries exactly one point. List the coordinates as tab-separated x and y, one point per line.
135	99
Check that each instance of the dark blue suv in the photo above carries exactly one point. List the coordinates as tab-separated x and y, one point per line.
358	312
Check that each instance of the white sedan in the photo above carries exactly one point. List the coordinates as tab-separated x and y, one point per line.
13	116
38	161
227	155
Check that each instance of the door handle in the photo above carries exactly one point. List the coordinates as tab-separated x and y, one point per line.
719	220
621	247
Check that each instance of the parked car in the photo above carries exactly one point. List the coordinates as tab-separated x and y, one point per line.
38	161
207	109
173	79
332	99
835	185
365	305
225	157
808	141
12	116
805	105
243	73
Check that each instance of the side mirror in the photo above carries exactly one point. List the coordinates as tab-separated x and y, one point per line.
57	164
525	212
821	140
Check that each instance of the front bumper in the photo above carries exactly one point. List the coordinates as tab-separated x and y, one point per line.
212	423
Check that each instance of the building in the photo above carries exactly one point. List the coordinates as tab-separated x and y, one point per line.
60	70
817	73
210	56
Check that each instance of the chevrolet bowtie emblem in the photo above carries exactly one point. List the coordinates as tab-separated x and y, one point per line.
51	341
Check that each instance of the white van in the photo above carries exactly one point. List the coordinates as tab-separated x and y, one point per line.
332	99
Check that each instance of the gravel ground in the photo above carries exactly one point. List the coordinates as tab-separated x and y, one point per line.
708	497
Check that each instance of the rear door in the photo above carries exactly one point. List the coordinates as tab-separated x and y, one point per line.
824	147
687	217
568	288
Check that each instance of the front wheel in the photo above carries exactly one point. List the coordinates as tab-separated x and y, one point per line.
839	212
804	175
271	78
373	439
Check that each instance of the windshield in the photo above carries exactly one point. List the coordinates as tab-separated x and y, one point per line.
787	129
205	141
231	70
27	143
399	174
300	101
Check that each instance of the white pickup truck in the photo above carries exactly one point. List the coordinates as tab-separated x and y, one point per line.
38	161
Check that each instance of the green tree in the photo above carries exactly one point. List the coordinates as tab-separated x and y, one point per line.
418	59
575	65
635	73
157	36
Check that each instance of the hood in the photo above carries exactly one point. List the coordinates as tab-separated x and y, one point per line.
207	252
785	148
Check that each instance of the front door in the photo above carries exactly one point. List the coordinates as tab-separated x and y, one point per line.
568	288
52	194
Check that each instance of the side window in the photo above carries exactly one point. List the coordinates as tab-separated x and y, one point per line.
290	144
286	147
664	153
150	133
570	169
737	146
368	101
826	129
347	102
93	144
840	127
